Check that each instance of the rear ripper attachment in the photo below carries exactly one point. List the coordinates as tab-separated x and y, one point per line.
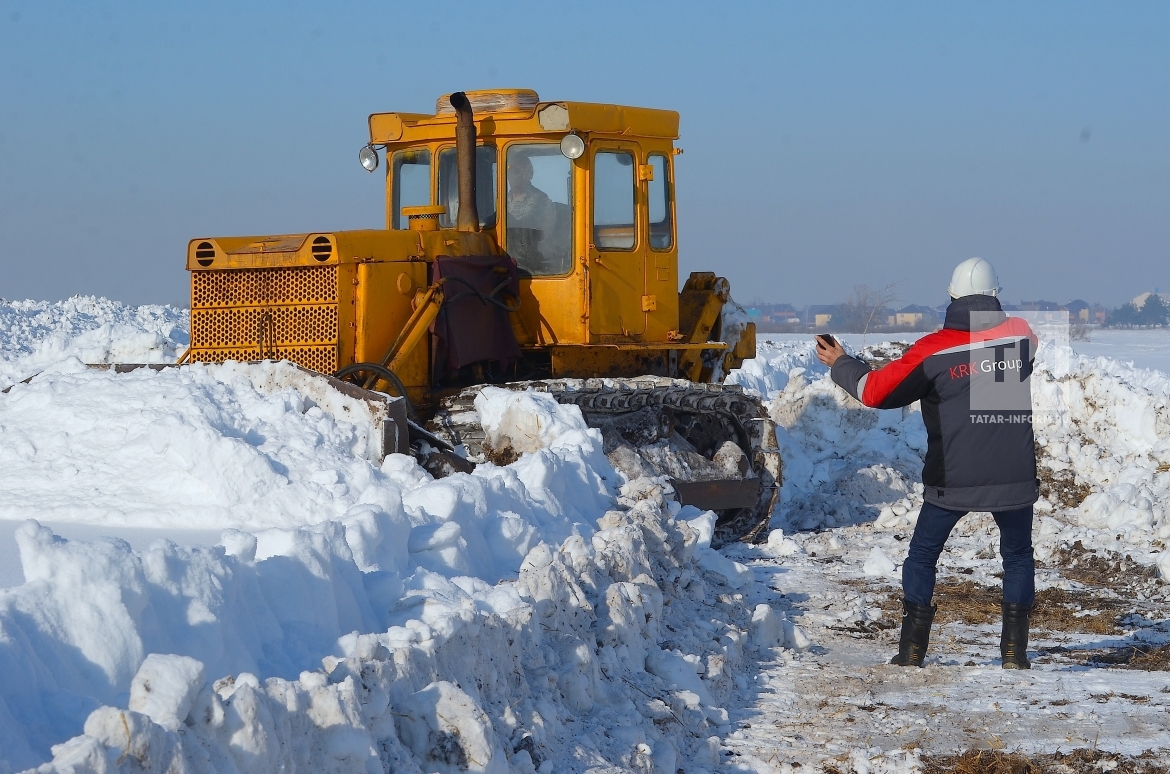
714	442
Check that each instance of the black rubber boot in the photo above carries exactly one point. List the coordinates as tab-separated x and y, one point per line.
1013	641
916	621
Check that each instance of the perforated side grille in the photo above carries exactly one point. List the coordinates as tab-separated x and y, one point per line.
248	287
254	314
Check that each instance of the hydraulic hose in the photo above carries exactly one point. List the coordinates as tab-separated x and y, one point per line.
383	373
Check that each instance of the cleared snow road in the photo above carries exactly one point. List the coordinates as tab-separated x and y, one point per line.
840	695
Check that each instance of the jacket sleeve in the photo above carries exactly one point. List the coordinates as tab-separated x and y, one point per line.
903	381
850	374
898	383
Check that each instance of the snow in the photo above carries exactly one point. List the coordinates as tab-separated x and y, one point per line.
274	599
165	688
526	421
37	334
1142	348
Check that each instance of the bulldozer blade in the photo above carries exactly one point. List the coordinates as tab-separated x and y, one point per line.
720	494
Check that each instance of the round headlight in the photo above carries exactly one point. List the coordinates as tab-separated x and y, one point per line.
572	146
369	158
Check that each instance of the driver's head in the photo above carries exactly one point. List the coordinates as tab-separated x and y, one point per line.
519	170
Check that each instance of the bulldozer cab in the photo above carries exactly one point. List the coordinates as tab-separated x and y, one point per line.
580	195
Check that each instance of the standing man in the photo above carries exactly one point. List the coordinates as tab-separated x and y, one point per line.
973	379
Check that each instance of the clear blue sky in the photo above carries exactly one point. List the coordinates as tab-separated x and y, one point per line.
827	144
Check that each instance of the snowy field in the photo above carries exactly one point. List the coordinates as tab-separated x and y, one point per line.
1140	348
275	601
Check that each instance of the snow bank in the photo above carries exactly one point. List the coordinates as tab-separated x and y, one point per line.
201	446
354	618
36	334
612	649
526	421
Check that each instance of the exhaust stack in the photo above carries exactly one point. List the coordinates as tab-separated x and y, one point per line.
465	161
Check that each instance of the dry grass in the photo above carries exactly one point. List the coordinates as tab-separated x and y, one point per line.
1106	569
1060	487
1076	762
505	455
1149	658
1056	610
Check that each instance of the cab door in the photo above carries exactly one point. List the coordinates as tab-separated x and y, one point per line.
617	249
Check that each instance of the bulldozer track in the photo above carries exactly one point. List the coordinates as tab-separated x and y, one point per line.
704	414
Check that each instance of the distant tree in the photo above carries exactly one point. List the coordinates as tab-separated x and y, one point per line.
1124	316
1154	311
860	312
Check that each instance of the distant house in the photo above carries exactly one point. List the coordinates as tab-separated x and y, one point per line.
784	312
1040	306
774	317
1079	311
820	315
1140	301
915	316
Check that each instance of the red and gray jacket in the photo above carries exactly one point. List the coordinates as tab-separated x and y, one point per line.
981	453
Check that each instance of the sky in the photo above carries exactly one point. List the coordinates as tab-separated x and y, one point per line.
826	144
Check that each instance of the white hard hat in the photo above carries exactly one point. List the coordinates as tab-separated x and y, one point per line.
974	276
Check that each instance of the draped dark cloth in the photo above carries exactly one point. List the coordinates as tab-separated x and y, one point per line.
470	328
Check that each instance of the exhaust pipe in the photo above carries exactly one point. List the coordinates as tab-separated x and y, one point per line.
465	161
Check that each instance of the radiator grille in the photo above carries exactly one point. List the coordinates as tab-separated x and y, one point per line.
256	314
258	287
240	327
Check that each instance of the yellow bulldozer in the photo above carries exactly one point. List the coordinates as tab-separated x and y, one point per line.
530	245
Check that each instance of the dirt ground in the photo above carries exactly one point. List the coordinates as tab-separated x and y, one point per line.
1096	699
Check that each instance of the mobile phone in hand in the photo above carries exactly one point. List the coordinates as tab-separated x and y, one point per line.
826	341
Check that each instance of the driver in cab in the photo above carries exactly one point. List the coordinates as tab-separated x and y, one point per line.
528	207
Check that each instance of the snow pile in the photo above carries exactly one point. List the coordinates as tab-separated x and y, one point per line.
354	618
526	421
843	463
36	334
613	649
201	446
1109	430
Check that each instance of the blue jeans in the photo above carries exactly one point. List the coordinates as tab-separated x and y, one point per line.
930	534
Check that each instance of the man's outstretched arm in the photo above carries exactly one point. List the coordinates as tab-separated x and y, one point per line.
897	384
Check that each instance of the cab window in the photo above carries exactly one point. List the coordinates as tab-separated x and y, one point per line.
485	186
411	183
661	236
613	200
539	214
